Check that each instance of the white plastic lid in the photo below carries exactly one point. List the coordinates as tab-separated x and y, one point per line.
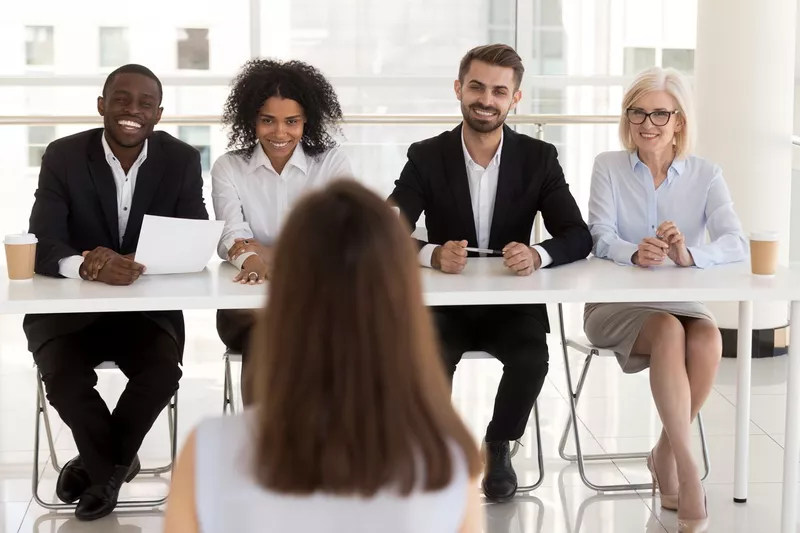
21	238
768	236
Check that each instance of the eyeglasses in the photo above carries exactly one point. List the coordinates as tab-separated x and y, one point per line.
658	118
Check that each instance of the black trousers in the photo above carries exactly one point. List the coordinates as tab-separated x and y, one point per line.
149	358
235	327
514	337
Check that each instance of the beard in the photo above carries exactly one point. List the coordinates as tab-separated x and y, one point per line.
483	125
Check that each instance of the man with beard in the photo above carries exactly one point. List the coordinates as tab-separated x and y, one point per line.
480	186
94	189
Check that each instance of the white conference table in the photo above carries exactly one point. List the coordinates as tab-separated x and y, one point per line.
486	282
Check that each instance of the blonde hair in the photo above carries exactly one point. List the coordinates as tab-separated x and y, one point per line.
671	81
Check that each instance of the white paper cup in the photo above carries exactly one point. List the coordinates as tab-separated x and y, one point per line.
20	255
764	253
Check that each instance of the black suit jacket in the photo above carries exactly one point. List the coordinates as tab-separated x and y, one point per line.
76	210
434	181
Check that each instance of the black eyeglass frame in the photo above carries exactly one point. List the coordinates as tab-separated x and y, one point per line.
631	110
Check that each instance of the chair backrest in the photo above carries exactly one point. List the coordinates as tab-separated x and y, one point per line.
477	355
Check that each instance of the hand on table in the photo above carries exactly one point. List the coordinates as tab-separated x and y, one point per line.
254	270
651	252
678	252
521	259
241	246
451	257
118	270
94	261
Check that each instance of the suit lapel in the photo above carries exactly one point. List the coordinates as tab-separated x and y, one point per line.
457	178
147	182
106	187
508	186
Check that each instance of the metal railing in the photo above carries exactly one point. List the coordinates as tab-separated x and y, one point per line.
354	120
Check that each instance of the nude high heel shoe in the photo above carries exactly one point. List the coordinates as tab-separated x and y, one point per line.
668	501
695	525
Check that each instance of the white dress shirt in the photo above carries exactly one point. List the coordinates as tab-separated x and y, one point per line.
482	192
69	267
625	207
254	200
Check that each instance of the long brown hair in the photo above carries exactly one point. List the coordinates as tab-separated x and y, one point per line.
350	391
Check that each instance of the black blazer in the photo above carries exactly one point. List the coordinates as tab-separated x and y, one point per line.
76	210
530	179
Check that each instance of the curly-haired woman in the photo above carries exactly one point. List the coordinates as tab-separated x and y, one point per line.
282	117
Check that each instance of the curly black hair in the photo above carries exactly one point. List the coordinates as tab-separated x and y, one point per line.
261	79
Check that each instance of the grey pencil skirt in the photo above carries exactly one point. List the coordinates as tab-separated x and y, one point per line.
616	326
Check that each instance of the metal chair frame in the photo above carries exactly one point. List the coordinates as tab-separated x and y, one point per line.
572	422
42	414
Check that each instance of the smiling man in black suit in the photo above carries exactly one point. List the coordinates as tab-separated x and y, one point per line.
481	185
94	189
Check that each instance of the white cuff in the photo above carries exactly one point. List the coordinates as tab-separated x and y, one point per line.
425	255
70	267
543	255
239	261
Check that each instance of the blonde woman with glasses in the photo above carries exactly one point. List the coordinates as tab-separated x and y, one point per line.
650	205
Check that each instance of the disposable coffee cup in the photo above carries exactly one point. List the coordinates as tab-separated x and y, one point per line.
20	255
764	253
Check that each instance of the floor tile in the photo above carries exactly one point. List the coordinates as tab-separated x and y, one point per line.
616	414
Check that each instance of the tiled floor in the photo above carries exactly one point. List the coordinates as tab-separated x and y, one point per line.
617	415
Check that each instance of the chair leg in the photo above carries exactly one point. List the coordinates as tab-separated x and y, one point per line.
228	397
41	414
576	394
540	480
704	446
47	427
580	458
172	421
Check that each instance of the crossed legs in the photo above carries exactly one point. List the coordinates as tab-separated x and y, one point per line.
684	356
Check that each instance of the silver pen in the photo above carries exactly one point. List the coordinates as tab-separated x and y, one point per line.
486	251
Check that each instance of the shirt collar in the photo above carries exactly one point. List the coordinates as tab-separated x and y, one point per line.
676	168
110	155
259	158
468	158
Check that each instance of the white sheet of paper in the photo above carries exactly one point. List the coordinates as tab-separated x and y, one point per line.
177	245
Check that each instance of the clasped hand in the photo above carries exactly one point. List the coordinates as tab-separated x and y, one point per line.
255	268
107	266
451	258
668	242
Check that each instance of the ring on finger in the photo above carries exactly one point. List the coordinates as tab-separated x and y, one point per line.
252	276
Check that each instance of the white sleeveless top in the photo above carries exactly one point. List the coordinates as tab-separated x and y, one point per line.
229	499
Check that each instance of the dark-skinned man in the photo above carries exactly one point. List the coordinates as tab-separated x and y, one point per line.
94	189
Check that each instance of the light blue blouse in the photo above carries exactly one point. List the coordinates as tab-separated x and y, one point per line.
625	207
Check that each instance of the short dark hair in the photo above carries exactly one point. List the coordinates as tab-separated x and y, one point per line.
133	68
261	79
500	55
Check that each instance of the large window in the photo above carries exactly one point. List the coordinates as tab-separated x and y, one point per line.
114	47
38	139
638	59
39	47
193	49
382	57
200	138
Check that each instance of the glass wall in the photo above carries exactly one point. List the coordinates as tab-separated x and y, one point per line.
384	58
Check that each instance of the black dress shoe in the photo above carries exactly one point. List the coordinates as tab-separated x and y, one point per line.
100	500
72	481
499	478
